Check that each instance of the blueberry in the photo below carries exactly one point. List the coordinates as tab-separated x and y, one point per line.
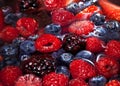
1	42
65	59
27	46
53	29
6	10
98	19
85	54
112	25
97	81
63	70
33	37
24	57
9	50
73	7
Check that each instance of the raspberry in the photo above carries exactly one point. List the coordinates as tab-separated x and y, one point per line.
62	17
26	26
113	49
53	79
94	45
28	80
77	82
1	20
113	83
9	75
9	33
82	69
107	66
81	27
47	43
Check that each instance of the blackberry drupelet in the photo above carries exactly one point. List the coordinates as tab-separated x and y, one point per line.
39	65
73	43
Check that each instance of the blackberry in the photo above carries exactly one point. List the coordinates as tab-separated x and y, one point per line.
39	65
73	43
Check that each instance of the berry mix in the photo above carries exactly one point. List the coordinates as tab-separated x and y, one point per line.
60	43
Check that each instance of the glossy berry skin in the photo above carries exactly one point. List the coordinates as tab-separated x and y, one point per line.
107	66
63	70
9	75
97	81
55	80
65	59
113	83
53	29
47	43
27	46
73	43
62	17
77	82
28	79
82	69
9	51
112	49
26	26
85	54
94	44
98	19
81	28
1	20
9	33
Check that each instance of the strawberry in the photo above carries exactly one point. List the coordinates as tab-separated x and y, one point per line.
94	44
77	82
111	10
9	33
48	43
56	4
113	49
53	79
28	80
1	84
26	26
87	12
81	27
62	17
113	83
107	66
9	75
1	20
82	69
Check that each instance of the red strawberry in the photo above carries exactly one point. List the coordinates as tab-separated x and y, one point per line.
62	17
113	83
77	82
112	11
81	27
1	84
1	20
107	66
113	49
28	80
94	44
87	12
26	26
82	69
9	33
48	43
53	79
9	75
56	4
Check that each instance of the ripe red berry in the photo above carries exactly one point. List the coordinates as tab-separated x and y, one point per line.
113	83
48	43
1	20
95	44
107	66
62	17
77	82
113	49
9	75
82	69
9	33
81	27
53	79
26	26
